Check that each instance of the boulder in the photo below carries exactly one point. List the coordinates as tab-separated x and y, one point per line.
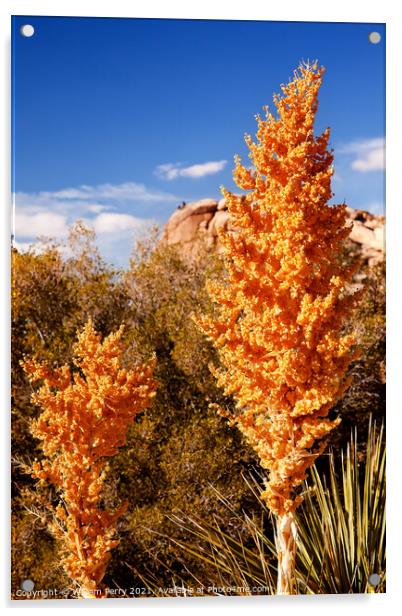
379	233
201	219
186	230
361	234
204	206
220	219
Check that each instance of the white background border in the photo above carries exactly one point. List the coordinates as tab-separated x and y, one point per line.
388	11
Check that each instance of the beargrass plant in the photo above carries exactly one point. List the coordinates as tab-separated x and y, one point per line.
342	522
278	327
84	420
341	540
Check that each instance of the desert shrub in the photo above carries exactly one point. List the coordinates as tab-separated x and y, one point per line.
34	552
366	395
181	449
180	453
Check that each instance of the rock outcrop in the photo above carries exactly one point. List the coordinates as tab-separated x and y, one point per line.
195	222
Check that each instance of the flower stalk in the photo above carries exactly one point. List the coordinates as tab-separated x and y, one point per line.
281	309
86	411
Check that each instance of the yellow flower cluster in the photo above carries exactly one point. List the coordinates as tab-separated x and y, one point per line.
283	303
85	415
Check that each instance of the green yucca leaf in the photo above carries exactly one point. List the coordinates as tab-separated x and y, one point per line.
352	525
341	529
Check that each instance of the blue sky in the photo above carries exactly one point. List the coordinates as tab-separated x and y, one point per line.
117	121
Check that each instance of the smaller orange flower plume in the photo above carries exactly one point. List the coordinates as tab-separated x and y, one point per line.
86	412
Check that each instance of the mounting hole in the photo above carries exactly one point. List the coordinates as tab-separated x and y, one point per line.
374	37
27	30
27	585
374	579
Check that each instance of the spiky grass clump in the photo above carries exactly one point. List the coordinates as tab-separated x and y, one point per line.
342	522
341	525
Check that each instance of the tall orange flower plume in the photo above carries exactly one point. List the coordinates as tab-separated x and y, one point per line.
282	306
85	416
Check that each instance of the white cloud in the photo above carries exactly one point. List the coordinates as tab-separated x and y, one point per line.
50	213
171	171
31	224
96	208
112	223
374	160
369	154
24	246
128	191
118	213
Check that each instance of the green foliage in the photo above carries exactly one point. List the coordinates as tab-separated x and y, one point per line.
180	447
342	521
366	395
182	460
341	531
34	552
